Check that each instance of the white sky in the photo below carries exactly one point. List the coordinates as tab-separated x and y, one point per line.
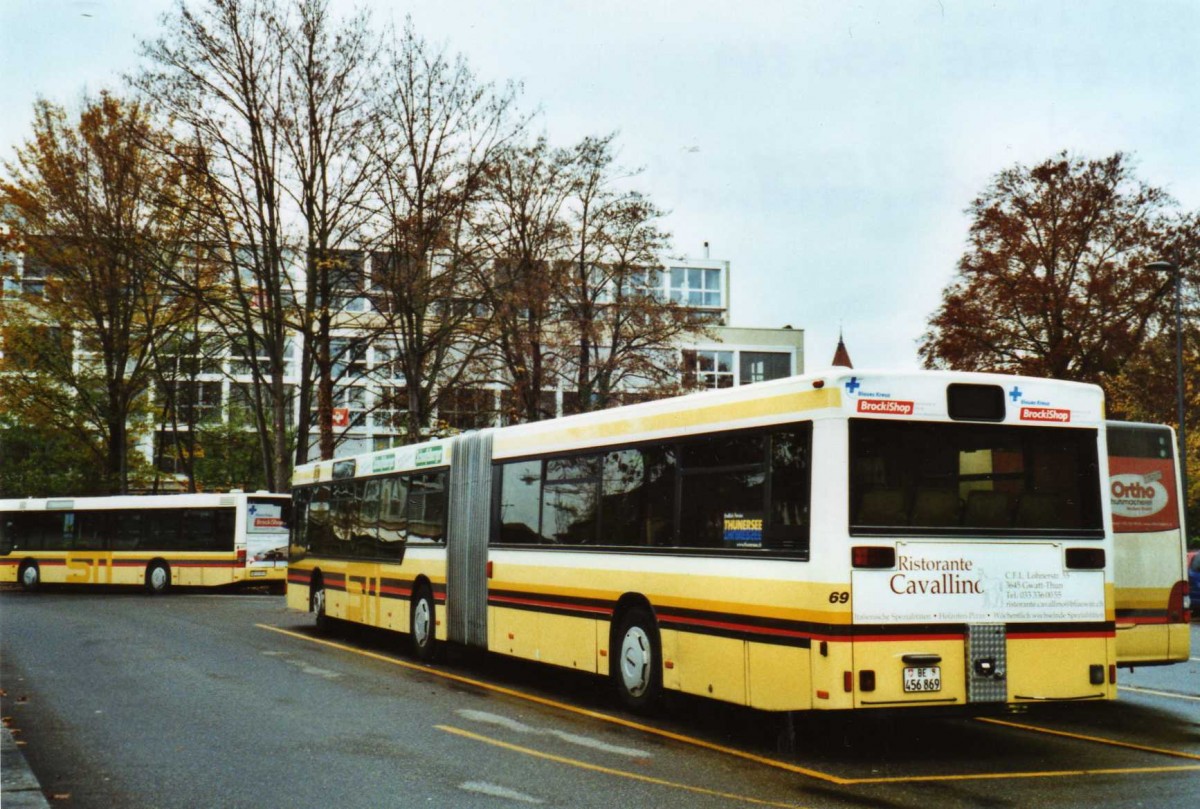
826	148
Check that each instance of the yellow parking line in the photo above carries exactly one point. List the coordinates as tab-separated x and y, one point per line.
1096	739
562	706
583	765
1001	776
745	756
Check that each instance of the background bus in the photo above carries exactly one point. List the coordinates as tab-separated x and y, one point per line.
839	541
205	540
1150	570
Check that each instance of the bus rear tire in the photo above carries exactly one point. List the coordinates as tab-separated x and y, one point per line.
637	666
30	577
158	578
422	625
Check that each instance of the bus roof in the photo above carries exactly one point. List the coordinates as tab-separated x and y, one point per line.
832	393
193	500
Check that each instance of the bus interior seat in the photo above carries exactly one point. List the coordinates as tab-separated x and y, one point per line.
936	507
882	507
1040	510
988	509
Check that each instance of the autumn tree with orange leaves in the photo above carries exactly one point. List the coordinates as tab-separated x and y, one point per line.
1054	283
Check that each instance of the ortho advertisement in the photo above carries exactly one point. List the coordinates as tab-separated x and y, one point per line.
1143	494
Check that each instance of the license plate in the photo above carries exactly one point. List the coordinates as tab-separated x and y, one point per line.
921	679
258	572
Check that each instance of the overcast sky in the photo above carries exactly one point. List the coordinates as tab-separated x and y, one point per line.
827	149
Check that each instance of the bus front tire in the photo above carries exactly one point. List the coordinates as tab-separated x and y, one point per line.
158	578
30	576
423	625
316	602
637	666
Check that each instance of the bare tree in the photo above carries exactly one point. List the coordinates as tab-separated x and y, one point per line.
219	72
440	133
527	239
623	330
328	115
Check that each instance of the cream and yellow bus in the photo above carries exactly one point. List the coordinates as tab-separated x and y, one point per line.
837	541
155	541
1150	553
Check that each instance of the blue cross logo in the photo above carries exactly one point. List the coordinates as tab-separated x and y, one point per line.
853	385
1015	394
252	510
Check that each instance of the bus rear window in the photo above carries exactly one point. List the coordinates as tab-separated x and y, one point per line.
972	479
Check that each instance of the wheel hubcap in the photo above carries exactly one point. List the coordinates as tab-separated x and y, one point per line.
318	602
30	577
421	622
158	578
636	660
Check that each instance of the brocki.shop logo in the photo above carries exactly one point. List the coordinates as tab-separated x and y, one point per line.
1056	414
887	407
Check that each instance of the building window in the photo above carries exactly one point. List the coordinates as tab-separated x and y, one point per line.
708	369
694	286
391	408
759	366
467	408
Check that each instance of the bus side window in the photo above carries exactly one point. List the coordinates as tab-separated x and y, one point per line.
790	491
344	514
723	492
393	517
519	503
570	500
366	522
427	508
95	527
319	534
622	499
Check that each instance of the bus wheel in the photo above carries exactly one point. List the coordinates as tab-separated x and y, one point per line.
637	667
317	605
158	578
31	577
423	625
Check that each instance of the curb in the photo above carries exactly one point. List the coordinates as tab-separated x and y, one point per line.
19	787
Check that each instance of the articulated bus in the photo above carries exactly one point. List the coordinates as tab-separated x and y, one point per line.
1150	566
156	541
837	541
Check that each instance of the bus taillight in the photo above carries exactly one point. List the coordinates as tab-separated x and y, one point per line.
241	557
1177	609
1085	558
872	557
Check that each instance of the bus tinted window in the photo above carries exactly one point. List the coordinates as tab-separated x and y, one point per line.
1140	442
520	500
370	519
918	477
729	492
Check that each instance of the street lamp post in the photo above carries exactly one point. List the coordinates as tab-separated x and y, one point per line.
1167	266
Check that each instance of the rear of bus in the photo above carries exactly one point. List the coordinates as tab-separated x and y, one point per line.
266	520
1149	571
978	550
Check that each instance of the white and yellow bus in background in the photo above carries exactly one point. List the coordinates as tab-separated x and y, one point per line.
837	541
156	541
1150	567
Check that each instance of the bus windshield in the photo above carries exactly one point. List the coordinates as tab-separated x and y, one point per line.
944	479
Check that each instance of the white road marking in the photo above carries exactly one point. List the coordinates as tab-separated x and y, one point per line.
304	667
1158	693
570	738
496	791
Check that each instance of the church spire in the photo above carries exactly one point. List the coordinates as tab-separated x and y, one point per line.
841	357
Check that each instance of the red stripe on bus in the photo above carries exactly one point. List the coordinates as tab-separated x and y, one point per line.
556	605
